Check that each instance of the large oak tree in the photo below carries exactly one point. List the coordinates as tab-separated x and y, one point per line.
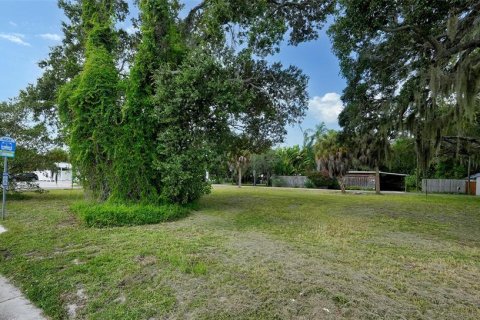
411	66
197	86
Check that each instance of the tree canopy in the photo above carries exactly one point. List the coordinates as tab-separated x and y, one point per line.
196	86
89	103
145	114
410	66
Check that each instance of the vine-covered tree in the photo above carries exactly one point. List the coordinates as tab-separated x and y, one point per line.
160	45
65	61
197	87
89	103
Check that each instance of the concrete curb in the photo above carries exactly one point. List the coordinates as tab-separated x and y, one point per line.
13	304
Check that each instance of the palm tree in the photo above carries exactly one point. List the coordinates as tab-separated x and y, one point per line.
310	136
332	157
373	149
238	161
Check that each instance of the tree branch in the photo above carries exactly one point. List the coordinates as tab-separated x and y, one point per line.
466	22
191	15
461	47
430	39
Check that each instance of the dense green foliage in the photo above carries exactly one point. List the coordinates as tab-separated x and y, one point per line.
322	158
89	104
403	157
136	145
32	117
190	95
292	161
65	62
321	179
287	161
323	151
411	67
332	156
449	163
113	214
147	114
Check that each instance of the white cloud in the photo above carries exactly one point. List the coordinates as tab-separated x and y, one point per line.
15	38
131	30
50	36
13	24
326	108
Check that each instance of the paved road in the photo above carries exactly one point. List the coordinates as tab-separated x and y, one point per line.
56	185
13	304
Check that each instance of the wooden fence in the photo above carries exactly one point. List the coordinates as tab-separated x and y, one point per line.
361	182
473	187
444	186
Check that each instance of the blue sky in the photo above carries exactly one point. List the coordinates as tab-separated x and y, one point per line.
29	27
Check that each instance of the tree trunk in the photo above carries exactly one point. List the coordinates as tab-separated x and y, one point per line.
377	180
341	182
254	178
417	178
239	177
426	185
468	172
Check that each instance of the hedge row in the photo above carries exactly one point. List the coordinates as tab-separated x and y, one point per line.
111	214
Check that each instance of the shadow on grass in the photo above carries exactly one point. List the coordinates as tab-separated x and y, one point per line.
17	196
46	195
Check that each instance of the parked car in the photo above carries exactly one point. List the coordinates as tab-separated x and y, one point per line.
26	177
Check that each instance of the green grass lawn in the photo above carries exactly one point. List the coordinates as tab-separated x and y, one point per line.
253	253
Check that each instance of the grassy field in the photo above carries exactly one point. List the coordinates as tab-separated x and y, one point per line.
253	253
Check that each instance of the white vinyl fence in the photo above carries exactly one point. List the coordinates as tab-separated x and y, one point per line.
444	185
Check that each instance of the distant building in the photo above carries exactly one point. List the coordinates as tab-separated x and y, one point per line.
63	173
474	176
474	183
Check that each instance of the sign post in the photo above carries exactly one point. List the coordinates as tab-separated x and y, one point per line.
7	150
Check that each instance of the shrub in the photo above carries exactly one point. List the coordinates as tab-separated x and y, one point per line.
411	182
322	180
309	184
112	214
278	182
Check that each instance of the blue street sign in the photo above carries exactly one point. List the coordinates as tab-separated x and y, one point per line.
7	147
5	181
